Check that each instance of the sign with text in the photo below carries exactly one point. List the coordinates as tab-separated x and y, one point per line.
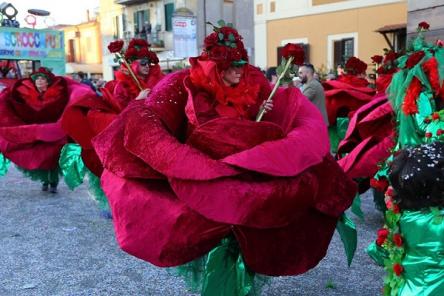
185	36
29	44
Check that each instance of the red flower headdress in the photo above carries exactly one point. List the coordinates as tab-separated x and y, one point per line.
423	26
388	63
355	66
137	49
225	47
45	72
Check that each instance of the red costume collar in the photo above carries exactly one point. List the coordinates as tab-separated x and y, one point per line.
27	92
150	81
232	101
353	80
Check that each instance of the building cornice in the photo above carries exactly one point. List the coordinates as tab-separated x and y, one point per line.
322	9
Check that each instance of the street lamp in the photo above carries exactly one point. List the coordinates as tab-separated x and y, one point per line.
9	11
31	17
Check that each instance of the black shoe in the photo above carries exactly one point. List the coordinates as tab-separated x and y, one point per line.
45	187
53	188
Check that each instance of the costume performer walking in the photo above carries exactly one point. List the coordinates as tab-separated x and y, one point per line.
86	117
345	95
190	173
370	135
30	132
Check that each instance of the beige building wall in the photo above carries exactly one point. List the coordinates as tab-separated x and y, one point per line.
316	28
109	12
321	2
87	42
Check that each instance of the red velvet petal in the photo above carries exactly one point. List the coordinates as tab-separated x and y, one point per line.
289	250
35	146
341	98
153	225
114	157
146	138
304	126
362	161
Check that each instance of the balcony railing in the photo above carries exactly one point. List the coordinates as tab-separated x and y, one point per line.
131	2
155	38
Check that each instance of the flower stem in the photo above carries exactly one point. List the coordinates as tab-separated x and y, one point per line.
131	72
276	86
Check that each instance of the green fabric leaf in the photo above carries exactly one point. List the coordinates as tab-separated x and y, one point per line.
438	215
4	165
391	219
225	272
43	176
96	191
71	165
337	132
377	253
221	23
356	207
342	125
193	272
439	55
347	231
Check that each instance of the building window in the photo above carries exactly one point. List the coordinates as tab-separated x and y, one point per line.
71	51
169	10
124	25
259	8
343	49
400	38
142	24
272	6
116	27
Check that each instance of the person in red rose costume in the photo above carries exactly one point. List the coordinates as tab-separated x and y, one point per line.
88	116
144	64
30	132
370	134
189	173
344	96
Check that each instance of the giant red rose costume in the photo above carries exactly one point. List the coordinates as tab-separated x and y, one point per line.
181	174
87	117
369	138
30	132
348	92
344	96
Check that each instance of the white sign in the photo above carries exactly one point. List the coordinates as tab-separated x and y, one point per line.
185	37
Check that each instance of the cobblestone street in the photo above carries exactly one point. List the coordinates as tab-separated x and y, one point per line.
61	245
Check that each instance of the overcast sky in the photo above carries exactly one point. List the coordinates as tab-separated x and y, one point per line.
62	11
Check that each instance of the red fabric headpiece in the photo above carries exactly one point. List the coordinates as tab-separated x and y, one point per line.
225	47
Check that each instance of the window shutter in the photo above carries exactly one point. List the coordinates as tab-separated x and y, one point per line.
169	10
337	55
136	23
